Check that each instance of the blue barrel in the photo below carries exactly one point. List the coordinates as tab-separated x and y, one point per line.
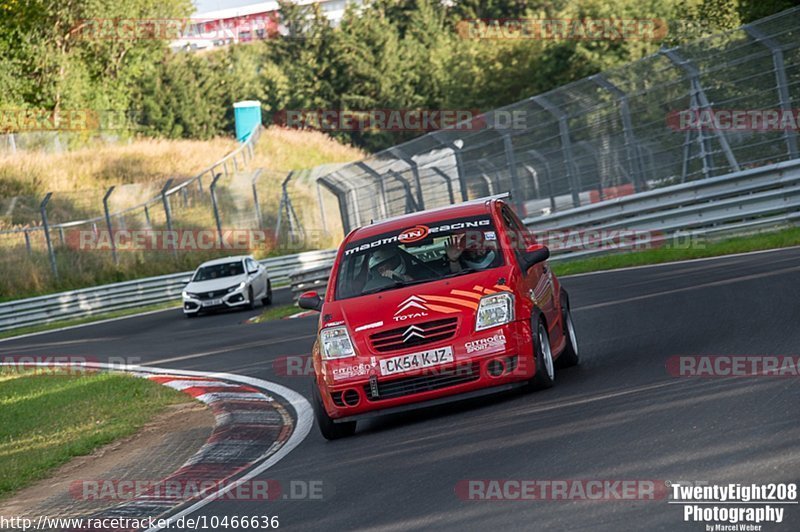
248	116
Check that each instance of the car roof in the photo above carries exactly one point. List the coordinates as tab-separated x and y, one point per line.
225	260
459	210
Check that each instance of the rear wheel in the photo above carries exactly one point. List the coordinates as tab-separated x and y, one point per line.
329	429
545	368
267	300
569	357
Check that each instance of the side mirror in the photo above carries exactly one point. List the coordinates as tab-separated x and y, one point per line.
186	281
310	301
535	254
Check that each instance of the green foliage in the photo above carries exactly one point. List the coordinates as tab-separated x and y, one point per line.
385	54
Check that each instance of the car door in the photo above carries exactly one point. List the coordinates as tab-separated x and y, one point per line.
538	280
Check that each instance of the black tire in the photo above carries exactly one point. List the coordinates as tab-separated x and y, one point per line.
268	299
251	301
327	427
569	357
545	370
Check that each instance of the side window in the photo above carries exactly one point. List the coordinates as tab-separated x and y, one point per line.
251	265
517	235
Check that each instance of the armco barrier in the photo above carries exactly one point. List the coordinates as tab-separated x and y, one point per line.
132	294
745	201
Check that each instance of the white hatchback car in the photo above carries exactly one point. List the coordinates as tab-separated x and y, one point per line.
232	282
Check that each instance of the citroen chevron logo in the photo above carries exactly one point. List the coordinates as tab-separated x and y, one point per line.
412	302
412	332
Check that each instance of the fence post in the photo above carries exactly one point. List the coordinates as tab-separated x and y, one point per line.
549	185
516	190
703	103
147	216
384	207
566	146
27	240
447	181
254	182
321	208
456	146
108	224
168	212
397	152
782	83
634	157
213	189
46	227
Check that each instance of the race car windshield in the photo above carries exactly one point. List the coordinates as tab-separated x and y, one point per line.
216	271
417	255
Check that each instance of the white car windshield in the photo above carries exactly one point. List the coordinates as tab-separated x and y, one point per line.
216	271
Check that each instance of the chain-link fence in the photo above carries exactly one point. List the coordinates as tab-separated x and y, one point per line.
656	122
47	237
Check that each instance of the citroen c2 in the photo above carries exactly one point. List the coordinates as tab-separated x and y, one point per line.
432	307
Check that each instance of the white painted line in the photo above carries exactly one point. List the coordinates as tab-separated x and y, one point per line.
304	422
722	282
676	262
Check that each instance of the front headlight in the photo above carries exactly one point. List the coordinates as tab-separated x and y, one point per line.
335	343
494	310
237	287
187	295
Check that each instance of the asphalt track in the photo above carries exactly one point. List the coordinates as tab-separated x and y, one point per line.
619	415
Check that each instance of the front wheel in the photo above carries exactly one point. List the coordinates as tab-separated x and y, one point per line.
569	357
545	368
267	300
251	302
329	429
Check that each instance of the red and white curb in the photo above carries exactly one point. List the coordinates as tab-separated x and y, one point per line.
252	431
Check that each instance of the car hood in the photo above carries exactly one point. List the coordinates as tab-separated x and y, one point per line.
452	297
213	285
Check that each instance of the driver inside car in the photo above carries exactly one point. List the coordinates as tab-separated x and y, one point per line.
469	250
388	263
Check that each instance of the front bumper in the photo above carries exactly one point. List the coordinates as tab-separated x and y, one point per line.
489	369
193	305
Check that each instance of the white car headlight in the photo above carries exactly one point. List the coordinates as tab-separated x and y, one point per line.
335	343
494	310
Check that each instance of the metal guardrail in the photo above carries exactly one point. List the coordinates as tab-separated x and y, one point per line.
745	201
132	294
736	203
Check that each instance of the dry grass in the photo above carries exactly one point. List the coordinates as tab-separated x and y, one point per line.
290	149
24	275
144	160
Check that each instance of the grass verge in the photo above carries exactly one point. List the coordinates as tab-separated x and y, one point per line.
88	319
48	418
779	239
276	313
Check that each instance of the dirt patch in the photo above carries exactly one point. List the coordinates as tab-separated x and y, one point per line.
158	449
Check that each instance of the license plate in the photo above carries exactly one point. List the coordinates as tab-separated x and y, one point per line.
423	359
212	302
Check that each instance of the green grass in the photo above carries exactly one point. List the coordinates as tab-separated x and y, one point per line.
276	313
87	319
779	239
48	418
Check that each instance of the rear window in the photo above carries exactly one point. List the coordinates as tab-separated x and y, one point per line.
418	254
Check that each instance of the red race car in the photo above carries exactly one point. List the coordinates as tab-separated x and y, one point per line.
432	307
